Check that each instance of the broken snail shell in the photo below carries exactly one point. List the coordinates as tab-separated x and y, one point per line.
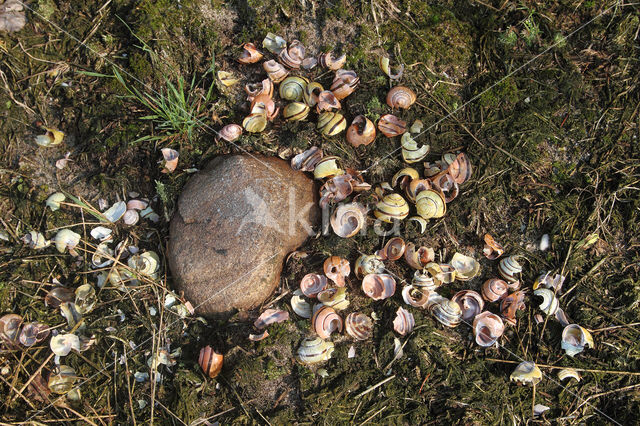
311	93
62	344
336	269
466	267
306	161
447	185
460	169
418	297
226	78
61	381
66	239
32	333
313	350
494	289
312	284
424	280
35	240
415	187
327	60
275	71
392	207
274	43
430	204
393	250
575	338
292	55
552	282
549	303
295	111
385	66
470	302
253	90
299	305
335	298
325	321
526	373
447	312
59	295
331	123
54	200
510	269
368	264
210	361
10	326
391	126
510	305
250	54
418	258
292	88
361	132
447	273
270	316
327	167
379	286
567	373
327	101
411	152
492	249
344	83
359	326
404	176
403	323
348	219
85	298
487	328
401	97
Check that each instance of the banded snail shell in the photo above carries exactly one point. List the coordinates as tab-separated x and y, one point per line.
313	350
344	83
210	361
325	321
494	289
526	373
391	126
415	187
32	333
391	207
567	373
250	54
348	219
334	297
312	284
510	269
327	167
335	190
263	104
575	338
447	312
311	93
487	328
275	71
460	169
265	87
255	123
359	326
327	60
270	316
295	111
336	269
510	305
331	123
401	97
424	280
549	303
57	296
299	305
430	204
293	55
447	186
369	264
405	176
403	323
418	258
226	78
292	88
361	132
393	250
379	286
417	297
492	249
230	132
447	273
62	380
411	152
470	302
306	161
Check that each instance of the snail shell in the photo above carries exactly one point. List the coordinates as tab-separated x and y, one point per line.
62	380
359	326
492	249
311	93
421	222
447	273
424	280
447	312
411	152
393	250
210	361
275	71
447	185
250	54
307	160
379	286
391	207
344	83
263	88
510	269
566	373
460	169
227	79
67	239
313	350
327	60
32	333
293	55
335	298
270	316
415	187
400	97
230	132
404	176
494	289
391	126
85	298
549	303
147	263
325	321
418	258
255	123
331	123
348	219
62	344
327	167
385	66
526	373
548	281
336	269
403	323
274	43
335	190
292	88
54	200
263	104
361	132
470	302
369	264
466	267
312	284
10	326
309	63
417	297
58	295
35	240
430	204
299	305
487	328
510	305
295	111
327	101
575	338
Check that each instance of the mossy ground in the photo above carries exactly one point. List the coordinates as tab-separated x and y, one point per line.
549	119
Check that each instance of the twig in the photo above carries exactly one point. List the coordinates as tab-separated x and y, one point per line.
376	386
559	367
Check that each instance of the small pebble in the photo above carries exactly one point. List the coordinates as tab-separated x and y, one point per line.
544	242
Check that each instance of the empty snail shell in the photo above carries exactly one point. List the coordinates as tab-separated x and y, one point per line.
391	126
361	132
299	305
325	321
379	286
36	240
575	338
66	239
415	187
549	303
404	176
10	326
335	190
311	93
230	132
510	269
70	312
470	302
312	284
313	350
392	207
344	83
359	326
307	160
85	298
327	60
434	299
424	280
58	295
295	111
331	123
417	297
292	88
510	305
526	373
62	344
552	282
418	258
271	316
430	204
275	71
263	104
487	328
393	250
131	217
210	361
327	167
54	200
265	87
327	101
466	267
61	381
32	333
227	79
411	152
403	323
309	63
255	123
336	269
492	249
147	263
447	273
274	43
435	168
447	312
494	289
567	373
292	55
335	298
250	54
369	264
401	97
460	169
348	219
53	137
385	66
447	185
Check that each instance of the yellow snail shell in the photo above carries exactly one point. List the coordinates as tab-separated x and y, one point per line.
466	267
379	286
227	79
385	66
327	167
421	222
487	328
549	303
348	219
255	123
335	298
327	101
210	361
567	373
510	305
293	55
62	380
418	258
312	284
51	138
292	88
411	152
430	204
230	132
275	71
274	43
306	161
295	111
263	104
403	323
526	373
470	302
336	269
510	269
327	60
299	305
404	176
313	350
359	326
361	132
393	250
391	126
331	123
494	289
575	338
325	321
492	249
415	187
344	83
400	97
369	264
250	54
424	280
311	93
447	312
415	296
391	207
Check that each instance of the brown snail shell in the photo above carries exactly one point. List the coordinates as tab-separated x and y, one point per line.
275	71
393	250
250	54
336	269
292	55
33	333
415	187
492	249
230	132
470	302
335	189
307	160
344	83
210	361
59	295
447	186
401	97
403	323
379	286
270	316
263	104
312	284
348	219
510	305
494	289
418	258
327	60
263	88
391	126
510	269
460	169
359	326
417	297
327	101
487	328
10	326
325	321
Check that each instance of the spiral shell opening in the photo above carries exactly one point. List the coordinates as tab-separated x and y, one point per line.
379	286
